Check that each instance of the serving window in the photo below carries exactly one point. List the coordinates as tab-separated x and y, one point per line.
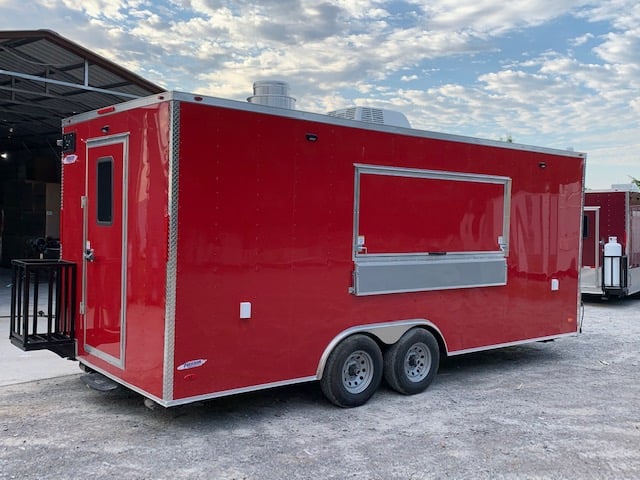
427	230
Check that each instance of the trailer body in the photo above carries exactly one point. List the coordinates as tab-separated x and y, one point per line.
611	217
225	247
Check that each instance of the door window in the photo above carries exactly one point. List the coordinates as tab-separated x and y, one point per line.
104	191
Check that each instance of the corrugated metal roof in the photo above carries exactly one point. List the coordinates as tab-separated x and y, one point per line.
45	78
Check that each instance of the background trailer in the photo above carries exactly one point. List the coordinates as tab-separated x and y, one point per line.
611	237
223	247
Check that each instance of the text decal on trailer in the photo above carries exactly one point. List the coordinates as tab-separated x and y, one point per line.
192	364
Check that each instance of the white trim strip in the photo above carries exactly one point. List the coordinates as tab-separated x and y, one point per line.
512	344
172	254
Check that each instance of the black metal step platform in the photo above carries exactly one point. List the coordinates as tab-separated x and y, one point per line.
99	382
43	297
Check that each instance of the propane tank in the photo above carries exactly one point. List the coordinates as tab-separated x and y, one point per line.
612	260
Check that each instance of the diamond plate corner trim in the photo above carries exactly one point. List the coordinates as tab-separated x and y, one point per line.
172	253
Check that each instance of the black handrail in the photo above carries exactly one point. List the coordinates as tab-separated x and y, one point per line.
27	331
615	284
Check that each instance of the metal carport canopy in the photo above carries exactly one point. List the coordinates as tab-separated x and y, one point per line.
44	78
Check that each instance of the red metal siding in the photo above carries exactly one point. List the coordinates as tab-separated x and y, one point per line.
267	217
613	216
147	230
633	246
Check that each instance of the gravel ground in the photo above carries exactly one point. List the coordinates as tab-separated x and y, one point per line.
565	409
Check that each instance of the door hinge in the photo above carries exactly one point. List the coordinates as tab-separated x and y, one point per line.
83	201
81	308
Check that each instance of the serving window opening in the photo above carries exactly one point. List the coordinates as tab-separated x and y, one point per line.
417	230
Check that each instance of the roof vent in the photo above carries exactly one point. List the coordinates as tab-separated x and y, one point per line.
272	93
372	115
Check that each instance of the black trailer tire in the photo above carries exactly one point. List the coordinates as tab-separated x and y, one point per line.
353	371
411	363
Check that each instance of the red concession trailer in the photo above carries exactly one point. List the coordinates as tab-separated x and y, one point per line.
223	247
611	242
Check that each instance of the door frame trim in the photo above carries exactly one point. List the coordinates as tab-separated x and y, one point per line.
596	233
123	139
593	273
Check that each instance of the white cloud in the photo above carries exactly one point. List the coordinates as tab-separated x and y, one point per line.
621	48
581	40
111	9
492	17
436	61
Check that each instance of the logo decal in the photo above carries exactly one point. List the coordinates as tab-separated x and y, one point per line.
69	159
192	364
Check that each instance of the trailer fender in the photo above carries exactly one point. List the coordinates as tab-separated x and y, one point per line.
388	333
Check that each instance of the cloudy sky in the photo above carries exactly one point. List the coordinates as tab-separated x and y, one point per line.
551	73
